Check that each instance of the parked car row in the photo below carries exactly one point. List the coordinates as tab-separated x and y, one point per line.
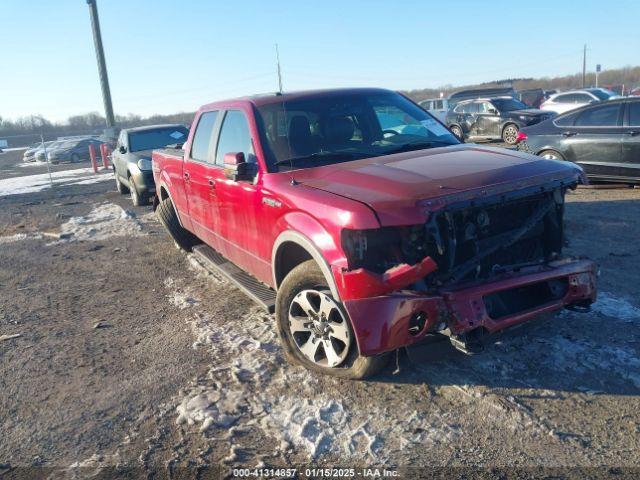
62	150
500	113
361	221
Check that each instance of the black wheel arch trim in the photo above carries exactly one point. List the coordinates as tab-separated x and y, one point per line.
303	242
166	189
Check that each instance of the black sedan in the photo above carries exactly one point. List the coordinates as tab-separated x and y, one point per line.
493	119
603	138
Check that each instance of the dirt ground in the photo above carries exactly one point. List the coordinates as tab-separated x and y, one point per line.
132	361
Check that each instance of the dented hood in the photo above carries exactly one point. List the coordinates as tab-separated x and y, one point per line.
400	187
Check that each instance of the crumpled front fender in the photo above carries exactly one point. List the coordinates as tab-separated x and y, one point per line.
362	283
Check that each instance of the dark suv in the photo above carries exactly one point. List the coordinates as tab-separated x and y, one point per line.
493	119
132	157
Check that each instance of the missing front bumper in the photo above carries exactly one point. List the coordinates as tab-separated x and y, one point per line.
387	322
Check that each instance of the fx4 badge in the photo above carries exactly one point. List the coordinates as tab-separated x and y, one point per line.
272	202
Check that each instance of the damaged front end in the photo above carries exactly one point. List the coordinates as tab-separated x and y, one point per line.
476	265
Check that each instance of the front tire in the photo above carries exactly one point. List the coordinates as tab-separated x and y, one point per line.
120	186
510	134
169	218
315	330
137	198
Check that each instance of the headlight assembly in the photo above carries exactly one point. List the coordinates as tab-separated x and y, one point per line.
144	164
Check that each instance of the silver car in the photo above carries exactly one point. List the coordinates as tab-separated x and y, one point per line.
29	154
565	101
41	156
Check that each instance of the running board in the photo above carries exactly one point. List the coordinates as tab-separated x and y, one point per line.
254	289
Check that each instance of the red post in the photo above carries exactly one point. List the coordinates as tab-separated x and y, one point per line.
92	154
103	152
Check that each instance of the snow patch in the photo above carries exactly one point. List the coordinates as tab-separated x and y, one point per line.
37	183
19	237
256	389
104	221
178	298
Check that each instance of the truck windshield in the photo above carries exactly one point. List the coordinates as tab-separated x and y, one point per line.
309	132
150	139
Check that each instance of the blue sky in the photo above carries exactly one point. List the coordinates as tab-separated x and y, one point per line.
168	56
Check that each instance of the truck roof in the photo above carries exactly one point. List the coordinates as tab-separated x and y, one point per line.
267	98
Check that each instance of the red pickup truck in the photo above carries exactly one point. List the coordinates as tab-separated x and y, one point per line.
367	226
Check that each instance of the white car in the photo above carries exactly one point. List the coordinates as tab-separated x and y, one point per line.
565	101
437	107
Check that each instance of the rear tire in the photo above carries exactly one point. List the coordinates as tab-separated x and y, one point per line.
168	217
307	277
457	131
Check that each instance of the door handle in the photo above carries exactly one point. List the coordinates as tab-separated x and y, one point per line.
186	176
634	133
568	134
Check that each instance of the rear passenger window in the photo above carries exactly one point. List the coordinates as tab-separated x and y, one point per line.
202	136
235	137
604	116
471	108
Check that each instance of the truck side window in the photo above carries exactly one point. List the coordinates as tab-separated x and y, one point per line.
235	137
202	136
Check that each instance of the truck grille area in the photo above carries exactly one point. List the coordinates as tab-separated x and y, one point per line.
477	242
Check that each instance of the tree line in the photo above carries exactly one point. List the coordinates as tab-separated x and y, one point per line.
627	76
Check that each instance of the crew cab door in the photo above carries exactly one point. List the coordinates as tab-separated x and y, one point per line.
240	226
468	118
488	120
631	140
595	139
199	175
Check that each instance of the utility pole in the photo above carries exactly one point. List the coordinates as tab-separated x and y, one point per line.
102	65
584	65
279	71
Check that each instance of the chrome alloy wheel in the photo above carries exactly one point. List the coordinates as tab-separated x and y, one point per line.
319	328
510	134
551	156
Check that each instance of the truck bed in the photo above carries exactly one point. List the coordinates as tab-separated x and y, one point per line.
170	152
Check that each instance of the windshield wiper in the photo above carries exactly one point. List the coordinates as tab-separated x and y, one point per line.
407	147
325	156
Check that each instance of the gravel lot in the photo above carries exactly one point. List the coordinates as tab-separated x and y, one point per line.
132	360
